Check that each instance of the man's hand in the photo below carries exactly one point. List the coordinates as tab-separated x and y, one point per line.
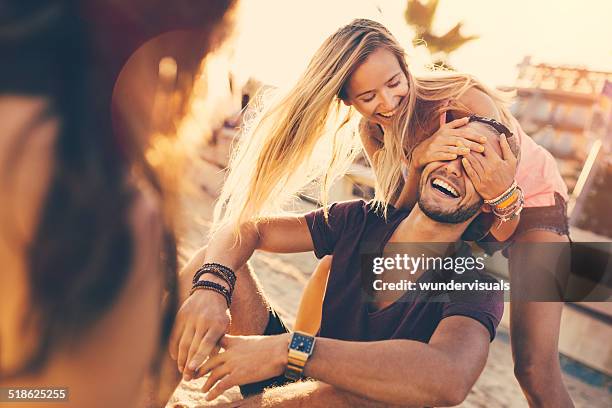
245	359
201	321
490	173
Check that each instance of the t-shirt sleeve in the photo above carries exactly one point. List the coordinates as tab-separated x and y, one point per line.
487	307
326	233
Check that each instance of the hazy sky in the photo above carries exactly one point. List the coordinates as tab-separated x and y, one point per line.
278	37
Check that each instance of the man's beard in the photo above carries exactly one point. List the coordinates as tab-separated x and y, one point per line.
456	216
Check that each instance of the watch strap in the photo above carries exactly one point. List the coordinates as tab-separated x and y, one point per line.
296	359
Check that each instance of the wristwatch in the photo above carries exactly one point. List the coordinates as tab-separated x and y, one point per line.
300	348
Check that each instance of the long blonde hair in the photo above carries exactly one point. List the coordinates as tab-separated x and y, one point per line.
309	135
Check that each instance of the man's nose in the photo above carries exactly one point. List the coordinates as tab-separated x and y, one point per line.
454	167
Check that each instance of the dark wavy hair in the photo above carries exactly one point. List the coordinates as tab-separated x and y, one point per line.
82	250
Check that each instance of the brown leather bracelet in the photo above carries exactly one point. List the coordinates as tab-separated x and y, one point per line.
498	126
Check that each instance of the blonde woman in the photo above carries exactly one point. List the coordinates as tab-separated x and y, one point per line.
360	72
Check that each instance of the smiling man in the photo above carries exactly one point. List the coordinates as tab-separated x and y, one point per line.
446	190
426	350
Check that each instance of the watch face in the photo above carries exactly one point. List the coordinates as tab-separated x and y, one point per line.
301	343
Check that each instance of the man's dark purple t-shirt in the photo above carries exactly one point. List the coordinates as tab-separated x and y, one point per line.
353	226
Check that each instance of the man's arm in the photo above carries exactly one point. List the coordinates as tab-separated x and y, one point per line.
402	372
279	234
311	394
407	372
275	234
204	316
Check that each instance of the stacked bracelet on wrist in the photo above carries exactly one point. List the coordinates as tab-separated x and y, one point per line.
508	204
215	287
511	210
221	271
503	196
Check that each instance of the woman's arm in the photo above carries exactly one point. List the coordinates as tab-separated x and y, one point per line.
408	195
481	104
504	230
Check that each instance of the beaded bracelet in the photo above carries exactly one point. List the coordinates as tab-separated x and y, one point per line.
222	271
220	266
215	287
214	266
511	216
503	196
216	272
231	276
511	200
512	211
507	211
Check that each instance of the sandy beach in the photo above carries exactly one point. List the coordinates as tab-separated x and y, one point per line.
283	277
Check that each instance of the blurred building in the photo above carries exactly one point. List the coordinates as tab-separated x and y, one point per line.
567	110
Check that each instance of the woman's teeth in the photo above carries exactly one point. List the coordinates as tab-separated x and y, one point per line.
388	115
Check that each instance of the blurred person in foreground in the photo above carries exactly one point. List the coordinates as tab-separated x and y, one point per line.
87	292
